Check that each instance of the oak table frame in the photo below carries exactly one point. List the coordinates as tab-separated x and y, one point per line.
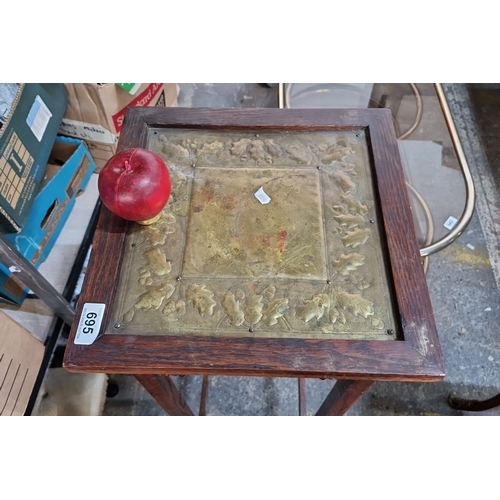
415	354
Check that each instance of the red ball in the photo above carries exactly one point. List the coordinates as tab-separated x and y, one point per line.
135	184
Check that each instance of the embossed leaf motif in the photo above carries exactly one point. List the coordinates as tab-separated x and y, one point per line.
167	218
201	298
275	310
257	151
157	233
298	155
344	181
144	277
350	221
336	315
313	308
240	147
154	297
327	328
172	306
169	308
354	204
157	261
272	148
355	238
190	144
232	308
349	169
359	281
270	292
347	263
156	236
211	148
174	151
253	309
128	316
355	304
330	157
335	153
363	285
340	149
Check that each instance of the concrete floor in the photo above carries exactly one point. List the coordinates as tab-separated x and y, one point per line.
463	284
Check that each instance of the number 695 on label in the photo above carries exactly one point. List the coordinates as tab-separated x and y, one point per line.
90	323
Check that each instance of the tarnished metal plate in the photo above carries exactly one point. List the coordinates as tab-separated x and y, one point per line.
304	261
241	237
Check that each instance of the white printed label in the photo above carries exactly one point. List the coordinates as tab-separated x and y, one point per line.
262	196
38	118
90	323
450	222
87	131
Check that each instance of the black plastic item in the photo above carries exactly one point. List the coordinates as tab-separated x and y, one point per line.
58	324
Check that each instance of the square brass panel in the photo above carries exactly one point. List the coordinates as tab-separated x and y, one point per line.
242	237
307	264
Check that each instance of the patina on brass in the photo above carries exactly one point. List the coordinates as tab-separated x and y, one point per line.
241	237
307	264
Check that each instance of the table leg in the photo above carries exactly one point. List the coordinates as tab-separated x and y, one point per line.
302	397
342	396
474	404
204	397
166	394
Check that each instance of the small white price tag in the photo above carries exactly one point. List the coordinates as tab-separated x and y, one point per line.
262	196
90	323
450	222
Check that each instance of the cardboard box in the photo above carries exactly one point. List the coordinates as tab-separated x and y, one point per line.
30	116
68	171
21	356
96	111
